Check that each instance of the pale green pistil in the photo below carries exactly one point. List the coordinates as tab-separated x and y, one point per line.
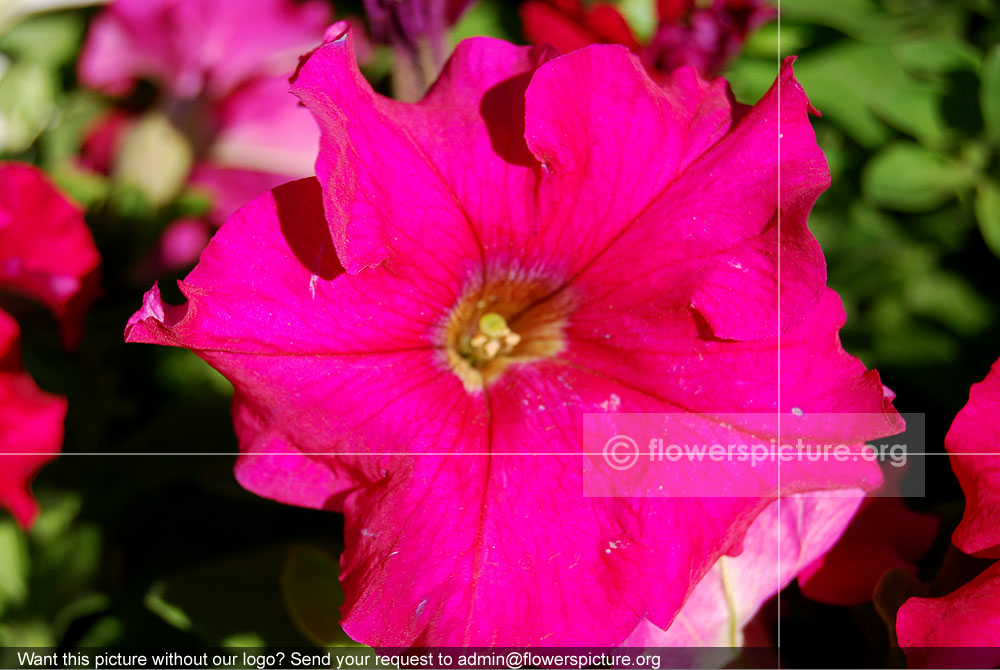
493	339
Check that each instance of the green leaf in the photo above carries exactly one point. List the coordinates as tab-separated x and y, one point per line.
65	557
86	188
843	79
949	300
50	39
482	18
13	565
228	598
155	158
915	109
640	16
987	207
772	41
750	78
310	586
938	53
861	19
989	93
27	104
910	178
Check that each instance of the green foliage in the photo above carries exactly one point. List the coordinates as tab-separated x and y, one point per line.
910	97
911	178
279	596
46	574
310	587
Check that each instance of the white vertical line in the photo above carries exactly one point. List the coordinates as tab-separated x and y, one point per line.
779	335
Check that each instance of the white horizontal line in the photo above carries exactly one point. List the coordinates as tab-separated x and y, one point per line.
705	458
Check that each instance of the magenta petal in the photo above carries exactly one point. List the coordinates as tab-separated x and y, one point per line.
31	427
959	630
433	190
601	174
977	429
46	249
739	296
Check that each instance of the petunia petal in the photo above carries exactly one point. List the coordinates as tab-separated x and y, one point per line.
959	630
31	427
433	190
972	441
46	249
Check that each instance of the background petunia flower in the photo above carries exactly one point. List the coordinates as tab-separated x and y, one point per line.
962	629
414	337
31	426
885	535
704	35
973	442
957	630
46	249
223	119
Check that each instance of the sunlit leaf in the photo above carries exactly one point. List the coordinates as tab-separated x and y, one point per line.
234	596
27	104
989	92
155	158
988	214
13	565
910	178
49	39
311	589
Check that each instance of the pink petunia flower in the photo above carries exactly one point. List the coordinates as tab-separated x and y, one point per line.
957	630
415	337
962	629
973	442
31	422
46	249
222	71
704	35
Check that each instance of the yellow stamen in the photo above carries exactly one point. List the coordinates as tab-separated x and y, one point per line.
494	338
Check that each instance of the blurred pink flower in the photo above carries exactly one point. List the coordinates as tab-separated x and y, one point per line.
47	253
962	629
31	426
973	442
885	534
46	249
222	72
415	336
704	35
957	630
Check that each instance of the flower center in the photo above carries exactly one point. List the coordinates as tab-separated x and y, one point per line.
494	337
505	322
